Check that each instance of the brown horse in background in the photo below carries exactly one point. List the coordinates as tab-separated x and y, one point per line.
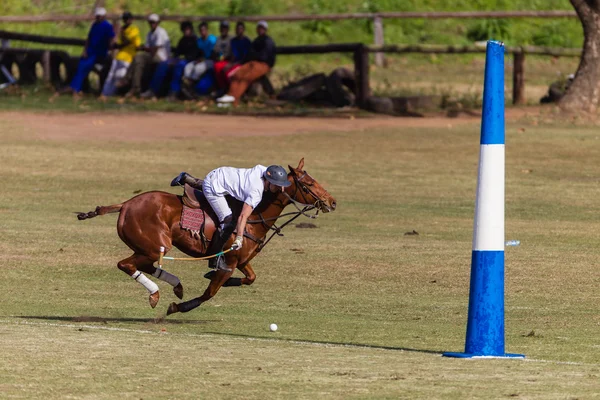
151	220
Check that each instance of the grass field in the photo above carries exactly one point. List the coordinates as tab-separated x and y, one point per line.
363	310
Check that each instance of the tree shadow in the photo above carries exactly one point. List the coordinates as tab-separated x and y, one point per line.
103	320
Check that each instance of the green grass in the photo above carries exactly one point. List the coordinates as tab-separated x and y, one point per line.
397	301
564	32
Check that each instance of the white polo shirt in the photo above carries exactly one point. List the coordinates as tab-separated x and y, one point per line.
159	38
243	184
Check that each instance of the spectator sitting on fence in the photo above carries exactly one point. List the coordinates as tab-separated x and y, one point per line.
259	62
240	46
194	71
127	44
155	51
186	48
95	51
222	54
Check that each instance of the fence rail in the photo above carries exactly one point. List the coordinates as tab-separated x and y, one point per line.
361	56
311	17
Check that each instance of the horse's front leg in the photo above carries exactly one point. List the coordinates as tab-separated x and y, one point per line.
219	278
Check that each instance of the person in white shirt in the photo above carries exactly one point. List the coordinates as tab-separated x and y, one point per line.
245	185
156	50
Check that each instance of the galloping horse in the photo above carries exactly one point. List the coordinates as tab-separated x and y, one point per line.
151	220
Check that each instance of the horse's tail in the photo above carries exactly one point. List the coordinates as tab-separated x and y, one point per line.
100	210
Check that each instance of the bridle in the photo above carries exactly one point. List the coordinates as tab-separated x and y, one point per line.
302	208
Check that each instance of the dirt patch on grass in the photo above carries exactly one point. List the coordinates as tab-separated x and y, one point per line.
157	126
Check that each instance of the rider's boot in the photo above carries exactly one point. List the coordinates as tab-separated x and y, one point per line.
220	237
183	178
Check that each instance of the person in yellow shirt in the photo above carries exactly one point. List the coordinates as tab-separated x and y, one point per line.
127	44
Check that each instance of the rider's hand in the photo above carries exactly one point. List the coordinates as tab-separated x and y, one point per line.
237	244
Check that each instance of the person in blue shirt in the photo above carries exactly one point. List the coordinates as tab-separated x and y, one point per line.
202	69
240	44
206	41
96	49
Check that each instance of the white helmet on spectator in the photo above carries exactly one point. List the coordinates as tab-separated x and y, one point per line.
153	18
263	23
100	12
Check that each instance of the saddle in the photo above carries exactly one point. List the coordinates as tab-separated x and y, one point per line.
192	197
195	213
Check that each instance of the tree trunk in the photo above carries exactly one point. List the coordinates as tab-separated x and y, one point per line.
584	92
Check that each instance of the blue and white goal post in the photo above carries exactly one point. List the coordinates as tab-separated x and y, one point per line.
485	322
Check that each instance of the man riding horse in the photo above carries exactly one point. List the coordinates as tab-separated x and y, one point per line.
150	224
245	185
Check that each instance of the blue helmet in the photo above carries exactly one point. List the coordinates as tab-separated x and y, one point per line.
276	175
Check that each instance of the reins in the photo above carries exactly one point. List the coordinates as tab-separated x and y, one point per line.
301	209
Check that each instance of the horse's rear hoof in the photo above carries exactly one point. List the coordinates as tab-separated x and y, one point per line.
172	309
153	299
178	290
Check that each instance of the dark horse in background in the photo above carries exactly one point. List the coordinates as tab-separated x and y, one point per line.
151	220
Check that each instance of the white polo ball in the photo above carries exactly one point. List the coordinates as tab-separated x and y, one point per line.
273	327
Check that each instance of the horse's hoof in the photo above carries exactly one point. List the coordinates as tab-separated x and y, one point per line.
153	299
172	309
178	290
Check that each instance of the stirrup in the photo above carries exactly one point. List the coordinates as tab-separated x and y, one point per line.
218	264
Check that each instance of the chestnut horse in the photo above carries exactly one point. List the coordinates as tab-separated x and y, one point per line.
152	219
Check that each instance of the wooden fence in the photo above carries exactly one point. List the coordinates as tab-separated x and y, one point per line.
359	50
377	18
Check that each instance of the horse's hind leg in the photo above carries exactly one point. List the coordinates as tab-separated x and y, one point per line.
165	277
130	266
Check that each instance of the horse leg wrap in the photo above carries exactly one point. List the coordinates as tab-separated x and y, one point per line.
188	305
145	282
166	277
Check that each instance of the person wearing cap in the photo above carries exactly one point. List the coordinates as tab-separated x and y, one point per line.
258	63
127	44
245	185
186	51
156	50
96	48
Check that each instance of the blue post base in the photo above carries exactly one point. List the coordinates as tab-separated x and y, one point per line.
467	355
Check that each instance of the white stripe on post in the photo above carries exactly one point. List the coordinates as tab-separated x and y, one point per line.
489	208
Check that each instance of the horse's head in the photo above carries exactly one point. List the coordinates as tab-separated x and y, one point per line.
306	190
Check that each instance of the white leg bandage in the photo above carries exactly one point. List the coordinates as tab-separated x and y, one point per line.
147	283
166	277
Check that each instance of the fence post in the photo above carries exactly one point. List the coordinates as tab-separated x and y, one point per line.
519	77
378	31
46	66
361	71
